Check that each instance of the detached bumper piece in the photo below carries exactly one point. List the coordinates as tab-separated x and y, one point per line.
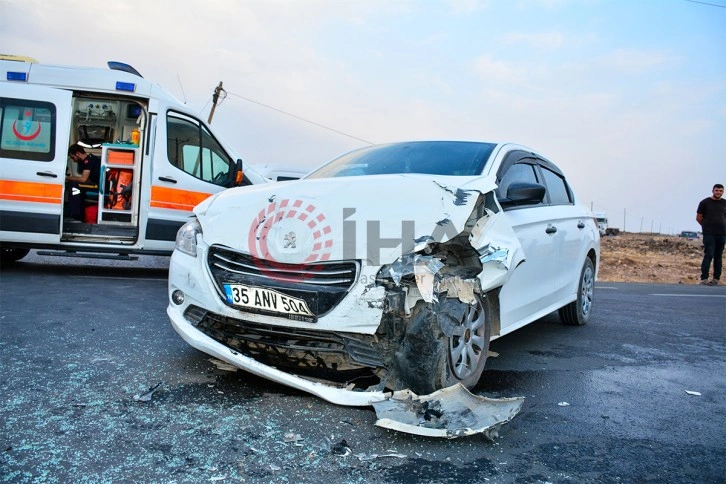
451	412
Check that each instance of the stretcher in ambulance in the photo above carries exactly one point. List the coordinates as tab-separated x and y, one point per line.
158	160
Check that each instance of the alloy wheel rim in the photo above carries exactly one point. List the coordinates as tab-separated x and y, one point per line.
466	345
588	289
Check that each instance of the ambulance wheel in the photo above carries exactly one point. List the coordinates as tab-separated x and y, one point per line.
8	255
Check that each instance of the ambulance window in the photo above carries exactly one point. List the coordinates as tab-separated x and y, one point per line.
27	129
193	149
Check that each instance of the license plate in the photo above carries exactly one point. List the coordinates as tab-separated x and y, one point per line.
260	299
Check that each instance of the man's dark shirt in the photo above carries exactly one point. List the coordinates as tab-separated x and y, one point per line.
92	163
714	216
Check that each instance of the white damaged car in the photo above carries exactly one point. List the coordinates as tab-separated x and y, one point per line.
389	268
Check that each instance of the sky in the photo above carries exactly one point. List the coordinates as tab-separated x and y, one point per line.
627	97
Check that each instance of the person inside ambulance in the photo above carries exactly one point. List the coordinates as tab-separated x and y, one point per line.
83	188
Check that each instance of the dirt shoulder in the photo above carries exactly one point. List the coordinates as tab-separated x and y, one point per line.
650	258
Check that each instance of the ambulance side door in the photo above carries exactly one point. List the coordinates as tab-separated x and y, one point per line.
189	165
34	134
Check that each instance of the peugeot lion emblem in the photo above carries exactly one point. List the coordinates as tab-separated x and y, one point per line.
290	240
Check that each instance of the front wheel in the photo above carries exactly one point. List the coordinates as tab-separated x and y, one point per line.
8	255
578	312
446	343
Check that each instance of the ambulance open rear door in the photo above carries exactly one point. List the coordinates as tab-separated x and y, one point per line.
34	133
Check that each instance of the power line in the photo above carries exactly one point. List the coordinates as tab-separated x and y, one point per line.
706	3
301	118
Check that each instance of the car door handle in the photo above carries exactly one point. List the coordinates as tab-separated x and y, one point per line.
551	229
47	173
167	179
580	225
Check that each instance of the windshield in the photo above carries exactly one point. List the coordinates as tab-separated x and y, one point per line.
448	158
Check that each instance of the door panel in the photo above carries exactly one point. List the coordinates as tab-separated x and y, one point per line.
529	290
34	133
189	165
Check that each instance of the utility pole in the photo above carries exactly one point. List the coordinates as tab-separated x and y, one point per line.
215	98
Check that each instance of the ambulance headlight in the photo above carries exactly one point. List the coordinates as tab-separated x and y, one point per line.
186	238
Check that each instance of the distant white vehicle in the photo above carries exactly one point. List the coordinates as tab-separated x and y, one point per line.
284	175
277	173
602	222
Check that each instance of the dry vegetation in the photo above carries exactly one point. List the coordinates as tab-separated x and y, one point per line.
652	258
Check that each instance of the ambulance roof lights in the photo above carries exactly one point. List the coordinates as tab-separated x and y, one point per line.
125	86
17	76
120	66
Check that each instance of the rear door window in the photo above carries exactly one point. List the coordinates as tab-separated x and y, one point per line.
557	189
27	129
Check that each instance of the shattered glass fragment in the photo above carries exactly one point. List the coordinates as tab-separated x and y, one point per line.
145	397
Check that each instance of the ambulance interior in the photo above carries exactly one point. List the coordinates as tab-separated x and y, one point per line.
108	127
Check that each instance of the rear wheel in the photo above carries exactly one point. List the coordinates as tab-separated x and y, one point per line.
578	312
445	345
8	255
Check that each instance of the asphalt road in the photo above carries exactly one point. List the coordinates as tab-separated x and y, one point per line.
606	402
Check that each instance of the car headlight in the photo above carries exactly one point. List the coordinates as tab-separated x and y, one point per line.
186	237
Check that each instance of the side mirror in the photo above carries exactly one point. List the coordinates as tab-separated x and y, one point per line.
521	193
238	173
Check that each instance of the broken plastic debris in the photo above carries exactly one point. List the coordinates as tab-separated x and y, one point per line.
425	279
290	437
563	404
340	448
367	457
223	365
691	392
451	412
413	264
147	396
461	288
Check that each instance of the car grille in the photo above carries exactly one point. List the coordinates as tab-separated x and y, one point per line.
329	281
284	346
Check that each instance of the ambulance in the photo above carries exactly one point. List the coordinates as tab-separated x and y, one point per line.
158	160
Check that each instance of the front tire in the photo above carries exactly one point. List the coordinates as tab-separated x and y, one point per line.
578	312
445	345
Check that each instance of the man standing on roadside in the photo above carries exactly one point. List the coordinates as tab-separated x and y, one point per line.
711	214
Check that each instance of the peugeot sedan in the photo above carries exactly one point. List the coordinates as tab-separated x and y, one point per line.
391	267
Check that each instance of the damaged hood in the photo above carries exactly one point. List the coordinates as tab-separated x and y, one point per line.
371	218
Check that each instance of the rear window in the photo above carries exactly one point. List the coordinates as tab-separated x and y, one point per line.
27	129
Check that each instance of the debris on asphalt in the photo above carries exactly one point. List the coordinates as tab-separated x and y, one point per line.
223	365
451	412
341	448
145	397
291	437
563	404
367	457
691	392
